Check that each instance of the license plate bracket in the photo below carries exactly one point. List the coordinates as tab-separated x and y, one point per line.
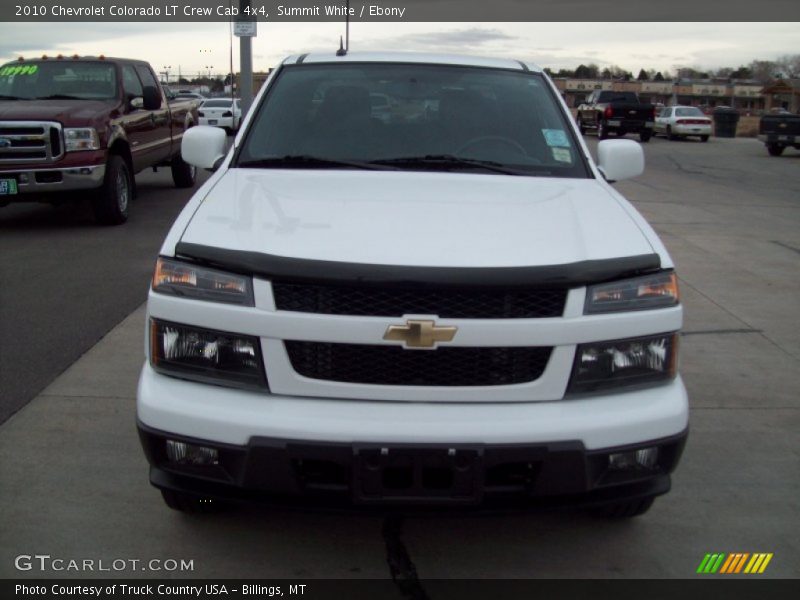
412	474
212	121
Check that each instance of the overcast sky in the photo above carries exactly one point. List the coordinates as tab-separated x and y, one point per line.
193	47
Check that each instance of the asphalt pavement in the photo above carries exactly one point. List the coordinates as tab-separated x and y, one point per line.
65	281
729	214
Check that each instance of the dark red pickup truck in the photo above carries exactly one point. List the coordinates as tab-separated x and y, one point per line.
82	127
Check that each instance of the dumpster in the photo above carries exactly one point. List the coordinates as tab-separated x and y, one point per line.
725	121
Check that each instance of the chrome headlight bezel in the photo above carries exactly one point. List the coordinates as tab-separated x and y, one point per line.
81	139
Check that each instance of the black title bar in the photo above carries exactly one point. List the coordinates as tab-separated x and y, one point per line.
199	11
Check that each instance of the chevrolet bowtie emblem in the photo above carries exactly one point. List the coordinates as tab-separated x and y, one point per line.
419	334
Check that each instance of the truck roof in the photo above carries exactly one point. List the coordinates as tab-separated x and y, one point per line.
72	58
412	57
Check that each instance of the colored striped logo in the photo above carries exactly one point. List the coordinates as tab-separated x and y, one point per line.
737	562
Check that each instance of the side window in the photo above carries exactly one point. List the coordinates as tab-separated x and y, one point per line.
130	82
146	76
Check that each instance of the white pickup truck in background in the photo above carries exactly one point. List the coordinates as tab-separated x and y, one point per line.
444	304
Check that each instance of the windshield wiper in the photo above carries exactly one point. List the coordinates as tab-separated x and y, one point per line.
449	161
57	97
301	161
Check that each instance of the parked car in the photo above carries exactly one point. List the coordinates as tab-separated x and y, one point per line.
221	112
683	121
607	111
87	125
450	312
779	130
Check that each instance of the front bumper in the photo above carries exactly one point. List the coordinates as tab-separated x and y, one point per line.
305	451
416	477
65	179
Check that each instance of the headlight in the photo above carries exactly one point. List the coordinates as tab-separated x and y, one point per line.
85	138
204	355
200	283
651	291
617	363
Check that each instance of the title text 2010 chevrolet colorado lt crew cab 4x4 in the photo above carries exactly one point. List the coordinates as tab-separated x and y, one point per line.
445	305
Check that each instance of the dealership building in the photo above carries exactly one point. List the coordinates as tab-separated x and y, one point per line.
745	95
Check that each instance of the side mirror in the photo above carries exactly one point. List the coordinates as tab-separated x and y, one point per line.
620	159
204	146
151	97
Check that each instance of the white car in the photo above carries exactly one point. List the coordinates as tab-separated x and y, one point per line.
683	121
221	112
456	311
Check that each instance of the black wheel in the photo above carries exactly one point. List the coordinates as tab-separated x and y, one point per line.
110	202
775	149
183	174
621	133
602	130
703	138
624	510
581	126
644	136
189	503
670	135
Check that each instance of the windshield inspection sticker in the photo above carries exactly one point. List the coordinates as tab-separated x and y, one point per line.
562	154
556	137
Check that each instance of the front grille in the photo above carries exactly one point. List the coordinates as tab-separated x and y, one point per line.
392	365
29	141
455	303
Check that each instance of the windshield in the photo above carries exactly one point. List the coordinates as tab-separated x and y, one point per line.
60	79
688	112
412	117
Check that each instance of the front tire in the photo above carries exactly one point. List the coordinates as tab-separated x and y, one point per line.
644	136
183	174
703	138
581	126
775	149
624	510
111	201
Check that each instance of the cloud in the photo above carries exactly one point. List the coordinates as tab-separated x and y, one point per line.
463	40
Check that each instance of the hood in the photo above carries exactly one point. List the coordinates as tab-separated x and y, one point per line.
415	219
70	113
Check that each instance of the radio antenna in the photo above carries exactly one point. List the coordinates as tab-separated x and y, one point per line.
344	47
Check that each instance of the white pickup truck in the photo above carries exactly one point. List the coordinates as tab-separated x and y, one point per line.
445	305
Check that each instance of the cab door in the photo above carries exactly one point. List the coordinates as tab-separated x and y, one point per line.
144	131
